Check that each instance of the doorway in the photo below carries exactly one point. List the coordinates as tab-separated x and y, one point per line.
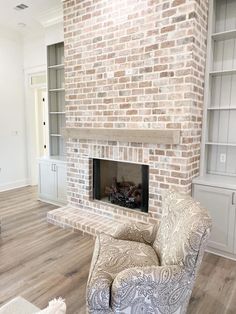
36	121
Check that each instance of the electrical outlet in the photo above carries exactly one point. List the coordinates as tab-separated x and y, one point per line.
223	158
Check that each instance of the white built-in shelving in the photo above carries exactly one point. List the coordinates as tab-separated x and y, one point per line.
56	98
220	144
222	108
60	89
52	169
224	35
56	66
215	188
223	72
219	136
57	112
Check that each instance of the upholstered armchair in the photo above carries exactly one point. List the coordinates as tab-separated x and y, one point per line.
146	268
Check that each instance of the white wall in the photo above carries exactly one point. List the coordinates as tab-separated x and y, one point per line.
13	152
34	52
54	34
18	60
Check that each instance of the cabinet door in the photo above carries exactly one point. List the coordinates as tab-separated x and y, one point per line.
47	180
61	183
219	203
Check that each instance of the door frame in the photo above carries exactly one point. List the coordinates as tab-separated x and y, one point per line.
31	103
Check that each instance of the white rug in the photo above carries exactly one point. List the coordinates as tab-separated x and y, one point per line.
18	306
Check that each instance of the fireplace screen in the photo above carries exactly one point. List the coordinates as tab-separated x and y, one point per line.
121	183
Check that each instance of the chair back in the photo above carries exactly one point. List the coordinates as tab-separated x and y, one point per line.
183	231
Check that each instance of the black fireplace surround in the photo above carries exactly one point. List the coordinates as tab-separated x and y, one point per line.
121	183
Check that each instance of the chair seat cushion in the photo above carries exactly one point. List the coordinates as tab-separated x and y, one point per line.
111	256
117	255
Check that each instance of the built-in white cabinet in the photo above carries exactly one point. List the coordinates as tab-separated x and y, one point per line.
216	186
52	169
221	204
52	180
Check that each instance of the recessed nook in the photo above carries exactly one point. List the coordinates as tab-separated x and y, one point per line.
121	183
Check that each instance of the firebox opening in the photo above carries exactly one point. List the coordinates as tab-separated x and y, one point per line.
121	183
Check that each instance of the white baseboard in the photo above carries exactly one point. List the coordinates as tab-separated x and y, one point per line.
14	185
221	253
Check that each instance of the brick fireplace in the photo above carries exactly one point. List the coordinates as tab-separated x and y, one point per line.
132	65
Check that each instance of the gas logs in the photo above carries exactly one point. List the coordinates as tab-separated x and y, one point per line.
125	193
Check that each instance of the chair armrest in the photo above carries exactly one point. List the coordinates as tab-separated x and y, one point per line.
98	292
157	289
139	232
98	285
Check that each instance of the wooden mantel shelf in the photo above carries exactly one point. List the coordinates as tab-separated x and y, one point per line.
150	136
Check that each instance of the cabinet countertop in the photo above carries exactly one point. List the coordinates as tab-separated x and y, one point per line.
227	182
61	159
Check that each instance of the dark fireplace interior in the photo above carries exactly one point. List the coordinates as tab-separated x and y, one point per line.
121	183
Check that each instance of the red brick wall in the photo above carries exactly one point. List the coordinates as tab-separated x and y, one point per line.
135	64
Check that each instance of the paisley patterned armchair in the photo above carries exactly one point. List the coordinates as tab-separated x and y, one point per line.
146	268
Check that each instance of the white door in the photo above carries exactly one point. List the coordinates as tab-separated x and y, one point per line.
47	180
219	202
61	183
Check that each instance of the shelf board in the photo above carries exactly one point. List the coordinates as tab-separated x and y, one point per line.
55	135
222	72
56	89
220	144
221	108
224	35
56	66
57	112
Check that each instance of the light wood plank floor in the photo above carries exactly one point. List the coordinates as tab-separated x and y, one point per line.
39	261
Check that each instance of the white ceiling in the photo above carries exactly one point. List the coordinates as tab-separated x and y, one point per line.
39	14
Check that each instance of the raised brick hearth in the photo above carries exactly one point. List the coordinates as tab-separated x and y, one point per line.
133	64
